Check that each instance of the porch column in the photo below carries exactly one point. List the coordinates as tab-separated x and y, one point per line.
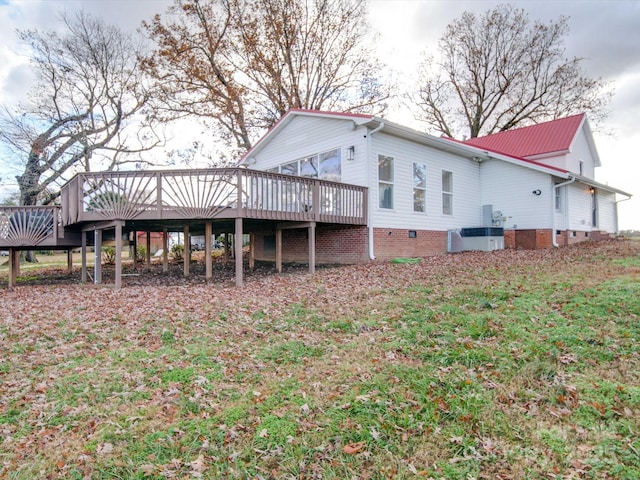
148	257
312	247
279	250
118	255
238	251
97	254
208	231
165	250
186	258
83	250
12	268
70	261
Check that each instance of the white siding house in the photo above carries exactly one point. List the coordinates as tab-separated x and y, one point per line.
536	184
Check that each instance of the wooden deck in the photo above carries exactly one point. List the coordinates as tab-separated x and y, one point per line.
179	200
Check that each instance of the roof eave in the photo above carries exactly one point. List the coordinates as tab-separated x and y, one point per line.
601	186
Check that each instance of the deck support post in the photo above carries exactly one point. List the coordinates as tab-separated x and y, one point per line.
83	250
118	234
135	251
148	257
70	261
12	268
165	250
208	231
312	247
252	251
16	263
97	254
227	248
279	250
186	258
238	251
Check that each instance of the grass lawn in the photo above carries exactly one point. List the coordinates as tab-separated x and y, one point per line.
502	365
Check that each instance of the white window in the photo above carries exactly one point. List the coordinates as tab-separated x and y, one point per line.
581	167
447	193
309	167
290	168
419	187
326	166
330	165
558	199
385	181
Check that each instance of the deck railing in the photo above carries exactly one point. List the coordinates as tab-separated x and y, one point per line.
29	226
209	194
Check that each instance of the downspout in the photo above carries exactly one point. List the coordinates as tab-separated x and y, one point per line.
617	202
370	209
554	240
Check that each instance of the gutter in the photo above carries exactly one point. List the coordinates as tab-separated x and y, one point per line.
377	129
554	240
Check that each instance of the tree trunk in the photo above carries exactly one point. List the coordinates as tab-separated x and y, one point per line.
29	184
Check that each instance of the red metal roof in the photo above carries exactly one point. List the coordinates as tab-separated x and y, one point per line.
543	138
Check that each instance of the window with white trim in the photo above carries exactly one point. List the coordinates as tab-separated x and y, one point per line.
419	187
385	181
325	166
447	192
558	199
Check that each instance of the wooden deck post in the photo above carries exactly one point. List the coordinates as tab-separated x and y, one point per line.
165	250
16	263
70	261
227	248
97	254
252	251
118	234
208	231
312	247
186	258
148	257
279	250
238	252
135	251
83	253
12	268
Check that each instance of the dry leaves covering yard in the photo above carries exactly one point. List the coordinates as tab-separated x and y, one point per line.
504	365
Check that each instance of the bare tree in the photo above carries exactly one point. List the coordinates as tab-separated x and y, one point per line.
87	109
498	71
244	63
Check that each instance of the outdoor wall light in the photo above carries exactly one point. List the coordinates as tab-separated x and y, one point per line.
537	193
351	153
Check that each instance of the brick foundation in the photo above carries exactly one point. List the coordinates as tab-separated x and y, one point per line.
543	238
396	242
349	245
334	244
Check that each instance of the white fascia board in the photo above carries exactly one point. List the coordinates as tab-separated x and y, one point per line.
601	186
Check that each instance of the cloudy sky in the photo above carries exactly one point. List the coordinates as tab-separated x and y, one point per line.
605	33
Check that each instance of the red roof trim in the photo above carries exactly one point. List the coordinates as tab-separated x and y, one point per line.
326	112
